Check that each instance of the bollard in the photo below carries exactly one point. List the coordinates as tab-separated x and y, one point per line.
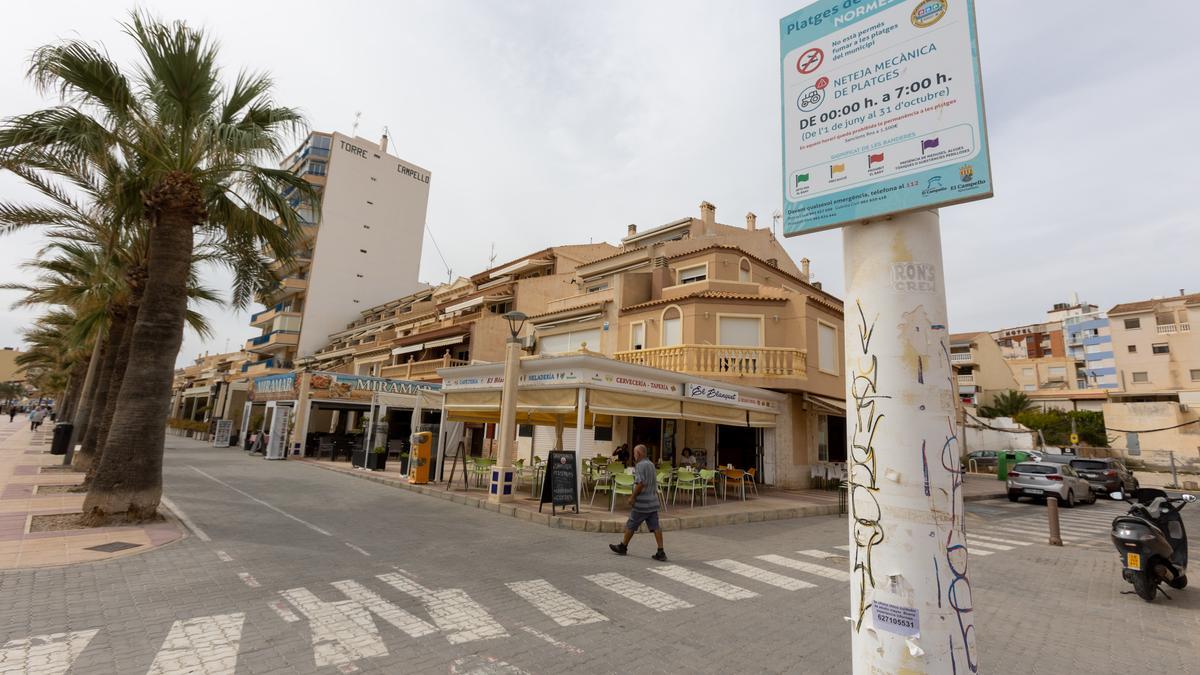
1052	516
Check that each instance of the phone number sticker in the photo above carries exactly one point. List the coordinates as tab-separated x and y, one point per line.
897	619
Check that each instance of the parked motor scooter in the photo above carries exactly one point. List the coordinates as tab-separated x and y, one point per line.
1152	541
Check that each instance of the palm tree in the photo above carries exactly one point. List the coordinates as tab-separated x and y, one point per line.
197	144
11	392
1007	404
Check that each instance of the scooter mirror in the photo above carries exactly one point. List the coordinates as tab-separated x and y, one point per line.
1189	498
1116	495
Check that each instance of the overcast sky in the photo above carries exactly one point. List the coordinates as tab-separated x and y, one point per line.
561	122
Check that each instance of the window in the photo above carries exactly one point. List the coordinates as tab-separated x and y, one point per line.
316	168
741	331
603	433
501	308
569	342
596	288
1161	348
1132	349
637	335
1195	374
1165	319
1141	377
1030	387
1133	324
672	327
744	270
1057	371
525	430
689	275
323	142
822	438
1027	372
827	348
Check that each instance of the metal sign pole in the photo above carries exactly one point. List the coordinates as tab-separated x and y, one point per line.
910	596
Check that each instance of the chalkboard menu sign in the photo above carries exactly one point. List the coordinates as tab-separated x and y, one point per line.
558	486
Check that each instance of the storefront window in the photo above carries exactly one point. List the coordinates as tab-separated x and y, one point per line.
822	438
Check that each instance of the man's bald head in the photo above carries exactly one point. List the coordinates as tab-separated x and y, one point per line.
639	452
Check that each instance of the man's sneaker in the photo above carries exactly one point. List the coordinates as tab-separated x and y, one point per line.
660	556
619	549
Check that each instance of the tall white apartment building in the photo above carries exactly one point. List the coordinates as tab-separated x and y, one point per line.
361	248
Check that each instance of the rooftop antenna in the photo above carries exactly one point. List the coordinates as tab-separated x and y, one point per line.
492	257
354	128
775	218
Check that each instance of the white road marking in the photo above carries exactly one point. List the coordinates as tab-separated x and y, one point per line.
256	499
183	517
978	551
569	648
359	550
249	579
704	582
224	557
759	574
206	644
822	555
997	539
638	592
483	665
565	610
974	545
463	619
1023	532
49	654
843	547
819	570
281	608
411	625
342	632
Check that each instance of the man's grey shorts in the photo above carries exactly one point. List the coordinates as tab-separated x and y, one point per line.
636	518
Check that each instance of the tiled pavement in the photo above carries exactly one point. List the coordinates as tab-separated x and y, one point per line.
301	570
23	459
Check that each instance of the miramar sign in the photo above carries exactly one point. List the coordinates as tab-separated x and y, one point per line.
340	386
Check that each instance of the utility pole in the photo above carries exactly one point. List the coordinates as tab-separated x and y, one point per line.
911	602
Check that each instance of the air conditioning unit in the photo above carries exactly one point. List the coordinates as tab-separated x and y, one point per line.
528	343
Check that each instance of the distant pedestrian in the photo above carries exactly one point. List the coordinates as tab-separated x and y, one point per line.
35	418
12	412
643	503
622	453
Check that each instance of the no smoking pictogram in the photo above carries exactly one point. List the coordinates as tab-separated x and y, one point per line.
810	60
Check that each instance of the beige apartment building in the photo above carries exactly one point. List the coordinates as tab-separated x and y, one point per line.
1054	373
211	387
980	368
1157	356
362	246
693	298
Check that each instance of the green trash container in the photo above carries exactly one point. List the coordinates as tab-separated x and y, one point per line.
1008	458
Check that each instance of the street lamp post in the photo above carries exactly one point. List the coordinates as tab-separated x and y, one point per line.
501	488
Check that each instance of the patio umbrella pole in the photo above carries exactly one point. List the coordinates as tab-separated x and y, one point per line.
911	606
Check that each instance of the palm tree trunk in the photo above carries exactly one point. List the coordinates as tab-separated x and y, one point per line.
129	478
87	393
119	365
117	329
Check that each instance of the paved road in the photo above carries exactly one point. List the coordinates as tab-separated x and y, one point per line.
297	569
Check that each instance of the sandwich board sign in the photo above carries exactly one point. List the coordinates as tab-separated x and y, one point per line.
882	110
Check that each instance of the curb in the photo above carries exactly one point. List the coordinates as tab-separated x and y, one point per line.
668	522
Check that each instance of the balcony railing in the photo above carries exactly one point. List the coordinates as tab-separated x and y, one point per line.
961	357
415	370
966	379
274	338
1167	328
723	361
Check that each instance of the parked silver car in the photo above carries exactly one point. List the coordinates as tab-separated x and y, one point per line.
1049	479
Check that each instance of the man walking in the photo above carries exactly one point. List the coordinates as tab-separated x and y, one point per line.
12	412
644	503
35	418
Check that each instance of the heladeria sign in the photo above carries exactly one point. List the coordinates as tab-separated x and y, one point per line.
882	110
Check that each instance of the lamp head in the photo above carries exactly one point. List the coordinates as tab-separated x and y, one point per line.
516	321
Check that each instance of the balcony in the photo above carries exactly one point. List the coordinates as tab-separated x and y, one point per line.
287	288
266	316
420	370
273	341
961	357
966	380
1170	328
723	361
267	367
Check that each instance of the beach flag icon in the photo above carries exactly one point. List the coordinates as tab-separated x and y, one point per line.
801	178
872	159
836	168
927	144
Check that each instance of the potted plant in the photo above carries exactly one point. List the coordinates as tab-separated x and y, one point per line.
375	460
404	462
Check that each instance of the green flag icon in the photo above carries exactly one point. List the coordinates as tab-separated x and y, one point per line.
801	178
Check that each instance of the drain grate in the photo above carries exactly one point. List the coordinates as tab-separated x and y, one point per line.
112	546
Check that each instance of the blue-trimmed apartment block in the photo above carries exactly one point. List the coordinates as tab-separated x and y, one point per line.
1089	340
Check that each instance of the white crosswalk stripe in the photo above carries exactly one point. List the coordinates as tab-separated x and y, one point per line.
843	547
374	603
454	612
988	545
638	592
1036	534
822	555
342	632
207	644
565	610
818	570
978	551
759	574
1013	542
52	653
704	583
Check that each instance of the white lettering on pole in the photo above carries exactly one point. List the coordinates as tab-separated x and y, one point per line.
207	644
53	652
463	619
565	610
911	277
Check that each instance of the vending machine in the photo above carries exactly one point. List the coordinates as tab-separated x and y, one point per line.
419	457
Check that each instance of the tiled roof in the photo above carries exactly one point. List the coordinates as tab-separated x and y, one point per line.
963	337
708	295
1147	305
590	305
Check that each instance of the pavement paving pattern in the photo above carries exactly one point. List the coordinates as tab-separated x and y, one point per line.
295	569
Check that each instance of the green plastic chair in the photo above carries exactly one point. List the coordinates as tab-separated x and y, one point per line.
602	482
663	482
622	485
708	480
689	481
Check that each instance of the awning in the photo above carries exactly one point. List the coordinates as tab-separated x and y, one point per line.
713	413
396	400
552	401
826	404
410	348
445	341
466	304
632	405
762	420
